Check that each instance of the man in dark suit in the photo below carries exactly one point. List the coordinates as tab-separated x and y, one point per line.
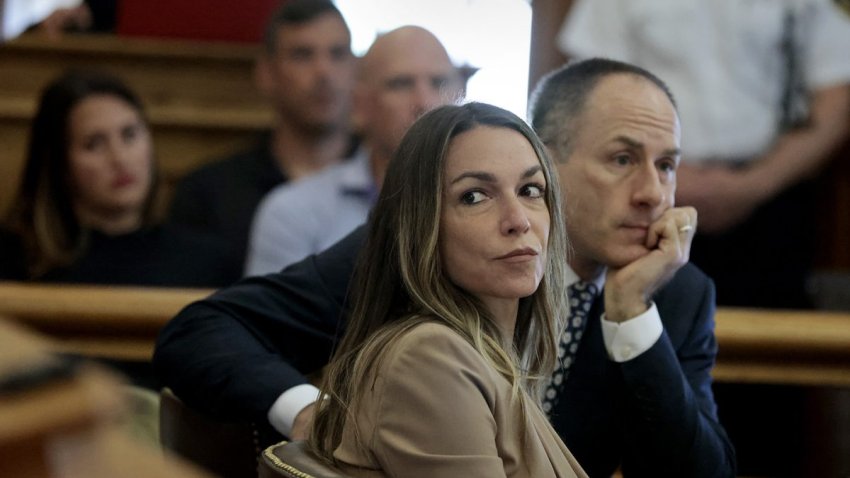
637	393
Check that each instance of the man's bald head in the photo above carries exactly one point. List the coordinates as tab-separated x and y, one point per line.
405	73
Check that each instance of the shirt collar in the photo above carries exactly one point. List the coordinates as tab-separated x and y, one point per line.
357	177
572	278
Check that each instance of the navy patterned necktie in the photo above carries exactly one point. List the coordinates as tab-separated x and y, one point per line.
581	295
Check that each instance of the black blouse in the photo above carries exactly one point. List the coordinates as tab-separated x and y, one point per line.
164	256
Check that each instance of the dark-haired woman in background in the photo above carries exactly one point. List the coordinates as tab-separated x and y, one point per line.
83	213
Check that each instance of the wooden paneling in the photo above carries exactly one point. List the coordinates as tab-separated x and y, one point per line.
200	97
115	322
756	345
783	347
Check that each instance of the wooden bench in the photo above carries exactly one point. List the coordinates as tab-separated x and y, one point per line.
756	345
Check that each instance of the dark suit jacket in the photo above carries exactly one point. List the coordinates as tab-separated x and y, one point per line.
220	198
655	414
233	354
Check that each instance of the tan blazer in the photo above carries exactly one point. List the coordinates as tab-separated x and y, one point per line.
438	409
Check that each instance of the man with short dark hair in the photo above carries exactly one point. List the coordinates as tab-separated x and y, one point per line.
639	394
633	387
307	72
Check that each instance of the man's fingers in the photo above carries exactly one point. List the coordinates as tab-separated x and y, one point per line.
673	232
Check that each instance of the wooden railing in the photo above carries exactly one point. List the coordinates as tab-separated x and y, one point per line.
756	345
783	347
116	322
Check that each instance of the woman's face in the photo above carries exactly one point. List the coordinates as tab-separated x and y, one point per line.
494	222
110	156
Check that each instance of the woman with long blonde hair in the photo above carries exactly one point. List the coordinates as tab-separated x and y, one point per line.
456	301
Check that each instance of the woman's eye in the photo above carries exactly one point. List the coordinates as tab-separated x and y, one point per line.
94	143
533	191
472	197
130	133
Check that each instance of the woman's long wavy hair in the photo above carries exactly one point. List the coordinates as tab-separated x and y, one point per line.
400	281
42	214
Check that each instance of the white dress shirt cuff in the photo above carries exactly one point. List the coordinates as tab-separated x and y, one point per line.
287	406
630	338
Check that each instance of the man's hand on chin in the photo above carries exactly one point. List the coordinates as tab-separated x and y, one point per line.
628	289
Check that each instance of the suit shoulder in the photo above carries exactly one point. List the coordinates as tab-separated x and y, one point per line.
687	300
431	355
690	277
433	343
431	335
